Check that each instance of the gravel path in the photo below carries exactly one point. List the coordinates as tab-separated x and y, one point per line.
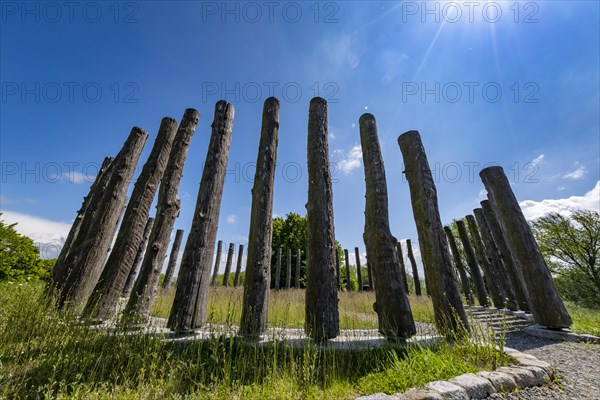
578	366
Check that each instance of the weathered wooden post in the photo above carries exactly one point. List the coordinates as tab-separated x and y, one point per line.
139	257
167	211
496	292
472	263
322	319
288	275
89	249
173	259
298	267
105	296
215	273
413	264
464	279
255	307
358	269
191	296
348	281
238	268
278	270
544	300
402	266
514	274
450	315
87	211
228	264
391	304
495	259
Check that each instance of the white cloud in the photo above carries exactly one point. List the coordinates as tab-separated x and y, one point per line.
350	160
232	219
538	160
589	201
76	177
48	235
5	200
339	50
579	173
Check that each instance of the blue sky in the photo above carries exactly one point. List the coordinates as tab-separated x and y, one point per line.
484	82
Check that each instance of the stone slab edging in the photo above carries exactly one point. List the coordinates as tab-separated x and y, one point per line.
527	372
561	334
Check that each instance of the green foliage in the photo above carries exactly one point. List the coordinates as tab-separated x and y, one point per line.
571	247
292	233
19	258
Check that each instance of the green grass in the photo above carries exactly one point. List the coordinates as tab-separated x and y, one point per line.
585	320
48	354
286	307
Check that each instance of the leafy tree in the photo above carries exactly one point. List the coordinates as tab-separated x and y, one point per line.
571	247
292	232
19	258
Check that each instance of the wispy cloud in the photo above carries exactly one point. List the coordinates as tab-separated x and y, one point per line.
589	201
339	49
538	160
350	160
579	173
232	219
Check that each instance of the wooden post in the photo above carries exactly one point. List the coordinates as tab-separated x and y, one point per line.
238	269
402	266
544	300
348	281
215	274
173	259
514	275
496	292
167	211
87	211
391	301
450	315
413	263
228	264
105	296
494	257
191	296
370	275
472	263
278	270
89	249
288	275
139	257
464	279
322	319
358	270
255	307
298	267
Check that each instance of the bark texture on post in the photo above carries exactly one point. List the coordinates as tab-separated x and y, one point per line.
257	286
348	281
105	296
322	319
138	259
413	264
167	211
450	315
391	302
191	296
358	269
544	300
288	275
495	259
514	275
90	248
173	259
278	270
472	263
228	264
87	211
298	267
215	274
496	292
464	279
402	266
238	268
